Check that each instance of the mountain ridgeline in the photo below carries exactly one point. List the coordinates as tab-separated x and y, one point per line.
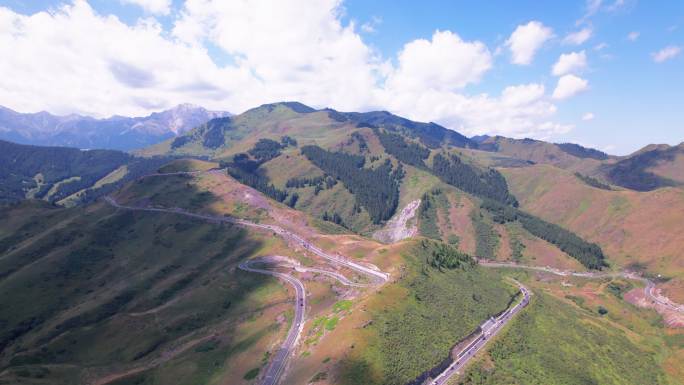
637	172
211	134
117	132
582	152
343	147
219	133
430	134
349	168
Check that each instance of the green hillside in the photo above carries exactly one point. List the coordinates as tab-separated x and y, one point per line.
112	291
133	297
57	174
417	320
554	343
297	155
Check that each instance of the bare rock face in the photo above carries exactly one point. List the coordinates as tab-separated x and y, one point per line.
398	227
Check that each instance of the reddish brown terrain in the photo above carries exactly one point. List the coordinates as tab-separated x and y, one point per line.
630	226
459	217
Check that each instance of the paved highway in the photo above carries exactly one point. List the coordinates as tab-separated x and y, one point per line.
279	361
488	329
649	289
344	280
372	271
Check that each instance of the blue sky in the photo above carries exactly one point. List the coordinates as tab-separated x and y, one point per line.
634	100
623	86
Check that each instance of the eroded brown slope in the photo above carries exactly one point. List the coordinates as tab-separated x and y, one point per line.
630	226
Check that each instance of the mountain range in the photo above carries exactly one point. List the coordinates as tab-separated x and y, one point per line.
149	284
117	132
651	167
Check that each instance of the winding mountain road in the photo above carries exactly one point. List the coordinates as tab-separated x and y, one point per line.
279	361
488	328
372	271
649	289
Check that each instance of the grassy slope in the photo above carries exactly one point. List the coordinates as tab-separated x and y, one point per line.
453	222
461	205
398	344
552	343
537	251
291	164
671	169
183	165
538	152
630	226
562	339
315	128
361	357
112	177
326	326
247	128
411	324
415	184
114	291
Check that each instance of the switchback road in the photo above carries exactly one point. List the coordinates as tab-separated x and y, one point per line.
279	362
373	272
489	328
277	365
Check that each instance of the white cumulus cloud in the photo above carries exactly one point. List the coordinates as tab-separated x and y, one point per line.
526	40
568	86
285	45
579	37
522	95
633	36
73	59
588	116
157	7
519	111
570	63
666	53
444	63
